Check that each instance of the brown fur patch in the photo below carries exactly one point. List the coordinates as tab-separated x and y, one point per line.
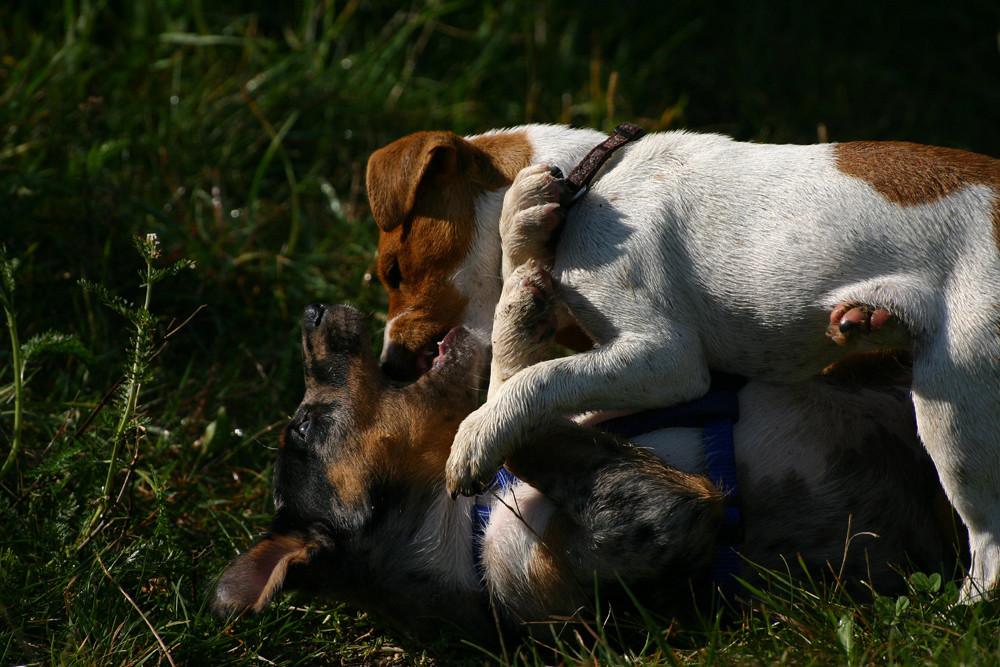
362	396
404	441
910	174
425	303
396	171
428	421
505	153
550	576
349	477
407	438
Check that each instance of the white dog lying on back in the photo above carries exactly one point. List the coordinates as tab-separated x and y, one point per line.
692	252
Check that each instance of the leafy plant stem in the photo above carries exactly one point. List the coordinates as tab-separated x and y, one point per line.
16	363
132	387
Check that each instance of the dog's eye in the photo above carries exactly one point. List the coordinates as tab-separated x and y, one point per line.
303	427
393	277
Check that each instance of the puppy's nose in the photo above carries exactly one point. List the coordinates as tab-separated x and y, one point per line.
312	316
399	364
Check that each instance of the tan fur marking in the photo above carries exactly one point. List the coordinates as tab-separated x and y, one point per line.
408	439
910	174
551	580
405	442
431	423
349	472
349	479
426	302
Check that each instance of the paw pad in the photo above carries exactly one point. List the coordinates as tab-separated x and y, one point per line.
849	319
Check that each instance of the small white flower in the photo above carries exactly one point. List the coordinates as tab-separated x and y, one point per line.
153	243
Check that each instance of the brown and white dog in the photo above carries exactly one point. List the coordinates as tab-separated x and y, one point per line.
693	252
362	513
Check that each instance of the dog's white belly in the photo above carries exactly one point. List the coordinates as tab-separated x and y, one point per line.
754	259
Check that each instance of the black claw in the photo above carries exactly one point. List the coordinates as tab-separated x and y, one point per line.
847	326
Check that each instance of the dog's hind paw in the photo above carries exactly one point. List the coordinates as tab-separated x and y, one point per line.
525	316
524	322
531	213
849	319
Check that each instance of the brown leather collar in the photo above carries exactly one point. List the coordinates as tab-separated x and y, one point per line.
575	185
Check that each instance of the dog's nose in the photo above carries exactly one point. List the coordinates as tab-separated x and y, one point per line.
399	364
312	316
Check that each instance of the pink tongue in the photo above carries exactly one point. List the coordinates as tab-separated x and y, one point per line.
440	354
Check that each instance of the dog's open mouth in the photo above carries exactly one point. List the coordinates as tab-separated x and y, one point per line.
446	347
430	355
458	349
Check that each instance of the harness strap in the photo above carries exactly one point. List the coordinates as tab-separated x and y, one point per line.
720	459
715	413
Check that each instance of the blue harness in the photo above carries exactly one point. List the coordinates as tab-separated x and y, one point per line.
715	413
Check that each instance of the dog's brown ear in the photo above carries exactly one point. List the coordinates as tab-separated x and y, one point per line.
252	578
396	171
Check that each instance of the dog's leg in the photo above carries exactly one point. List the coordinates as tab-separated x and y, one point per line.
524	323
631	371
956	393
621	514
530	214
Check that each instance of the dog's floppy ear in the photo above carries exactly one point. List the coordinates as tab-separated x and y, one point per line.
252	578
396	171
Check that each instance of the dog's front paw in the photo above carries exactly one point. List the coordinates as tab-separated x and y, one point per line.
531	212
474	459
849	319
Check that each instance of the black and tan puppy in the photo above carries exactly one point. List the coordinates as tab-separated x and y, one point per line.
362	514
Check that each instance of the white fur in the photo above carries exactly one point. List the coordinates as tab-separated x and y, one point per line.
518	520
695	251
443	542
480	273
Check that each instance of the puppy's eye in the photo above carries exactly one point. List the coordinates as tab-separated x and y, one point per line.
303	427
393	277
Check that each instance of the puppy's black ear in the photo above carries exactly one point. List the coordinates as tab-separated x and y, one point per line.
252	578
396	171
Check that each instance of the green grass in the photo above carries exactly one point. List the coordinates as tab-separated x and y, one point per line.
139	415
